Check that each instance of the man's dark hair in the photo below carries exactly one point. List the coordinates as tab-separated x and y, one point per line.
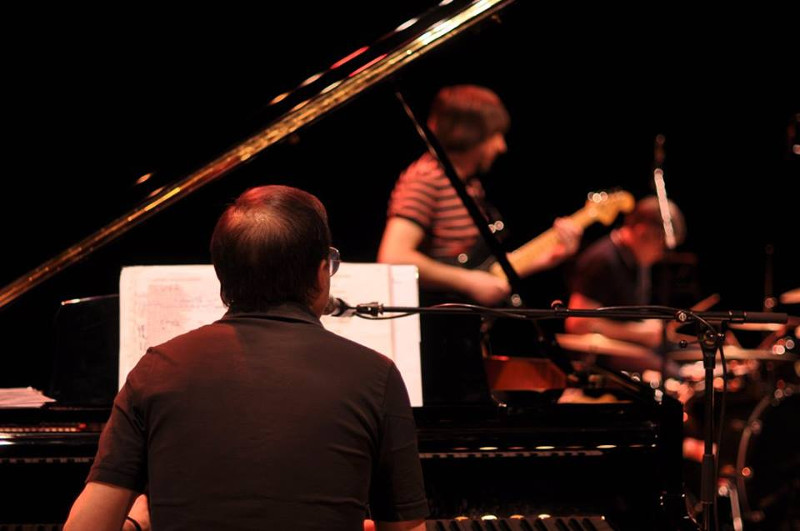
267	248
463	116
647	212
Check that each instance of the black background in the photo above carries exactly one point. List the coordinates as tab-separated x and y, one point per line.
91	106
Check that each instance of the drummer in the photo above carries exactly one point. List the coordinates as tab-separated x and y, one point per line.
616	271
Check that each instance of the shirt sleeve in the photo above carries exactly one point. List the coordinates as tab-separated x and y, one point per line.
592	278
121	458
397	490
414	195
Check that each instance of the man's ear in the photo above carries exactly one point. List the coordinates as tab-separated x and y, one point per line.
323	288
323	274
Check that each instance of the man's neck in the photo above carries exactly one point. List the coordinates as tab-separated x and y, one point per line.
465	165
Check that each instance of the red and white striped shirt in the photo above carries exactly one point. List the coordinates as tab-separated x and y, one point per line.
424	195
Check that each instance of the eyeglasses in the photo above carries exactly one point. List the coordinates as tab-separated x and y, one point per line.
334	259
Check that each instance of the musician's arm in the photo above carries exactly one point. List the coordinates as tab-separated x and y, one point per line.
400	243
647	332
100	506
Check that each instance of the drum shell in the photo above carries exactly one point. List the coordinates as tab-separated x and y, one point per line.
768	462
759	453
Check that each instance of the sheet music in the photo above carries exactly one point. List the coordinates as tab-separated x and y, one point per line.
359	283
405	292
22	397
398	339
158	303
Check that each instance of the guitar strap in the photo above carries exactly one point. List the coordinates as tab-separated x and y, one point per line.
478	255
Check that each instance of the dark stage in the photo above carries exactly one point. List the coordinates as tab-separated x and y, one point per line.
99	106
92	107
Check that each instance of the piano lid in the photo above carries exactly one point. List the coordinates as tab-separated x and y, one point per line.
321	93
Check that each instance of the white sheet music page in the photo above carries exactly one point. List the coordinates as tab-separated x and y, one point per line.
406	334
398	339
158	303
360	283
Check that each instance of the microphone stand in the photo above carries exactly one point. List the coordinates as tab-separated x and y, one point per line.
669	240
709	338
558	311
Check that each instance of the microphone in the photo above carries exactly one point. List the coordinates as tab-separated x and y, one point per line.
336	307
661	194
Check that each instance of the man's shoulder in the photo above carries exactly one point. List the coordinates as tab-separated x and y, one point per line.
202	335
426	168
601	249
599	256
224	335
356	350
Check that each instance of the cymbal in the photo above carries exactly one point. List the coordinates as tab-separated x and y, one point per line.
758	327
791	297
600	344
694	353
791	322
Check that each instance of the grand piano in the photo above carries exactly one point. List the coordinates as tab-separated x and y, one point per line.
515	453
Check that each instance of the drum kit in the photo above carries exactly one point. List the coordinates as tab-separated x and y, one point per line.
759	455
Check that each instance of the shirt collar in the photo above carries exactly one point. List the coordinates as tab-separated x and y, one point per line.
287	311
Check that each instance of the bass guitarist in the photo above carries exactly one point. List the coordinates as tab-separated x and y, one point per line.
428	225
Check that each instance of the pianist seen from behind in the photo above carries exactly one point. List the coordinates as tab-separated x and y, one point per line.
263	419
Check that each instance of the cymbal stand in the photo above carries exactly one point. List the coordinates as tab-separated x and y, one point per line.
710	341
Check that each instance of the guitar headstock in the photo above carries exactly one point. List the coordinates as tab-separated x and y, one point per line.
605	206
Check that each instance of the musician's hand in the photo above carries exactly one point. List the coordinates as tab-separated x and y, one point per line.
485	288
569	233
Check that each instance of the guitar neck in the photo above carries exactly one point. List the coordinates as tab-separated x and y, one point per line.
527	259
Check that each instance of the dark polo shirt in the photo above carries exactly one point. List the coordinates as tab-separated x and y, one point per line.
265	421
608	273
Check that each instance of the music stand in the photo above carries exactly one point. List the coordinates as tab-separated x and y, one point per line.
87	346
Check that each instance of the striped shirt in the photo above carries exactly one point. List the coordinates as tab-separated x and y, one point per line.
424	195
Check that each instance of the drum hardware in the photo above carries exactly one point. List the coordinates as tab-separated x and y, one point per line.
728	490
759	454
767	473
